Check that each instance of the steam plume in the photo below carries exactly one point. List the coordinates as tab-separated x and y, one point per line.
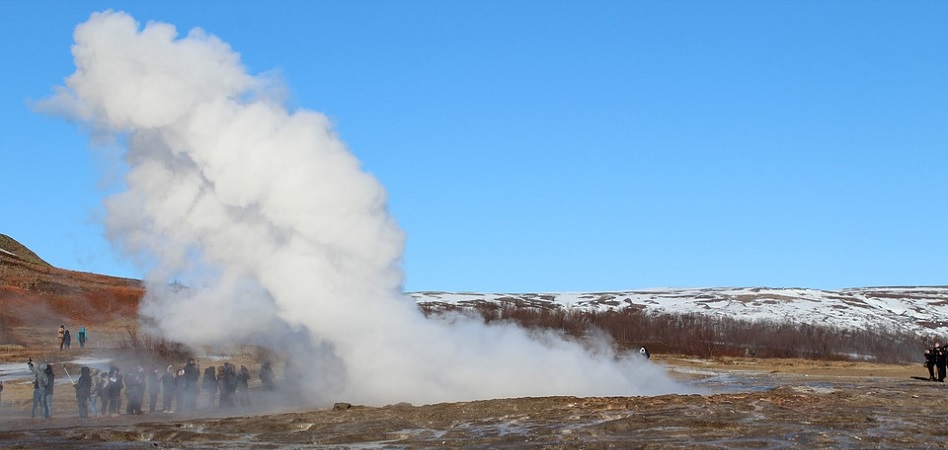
286	241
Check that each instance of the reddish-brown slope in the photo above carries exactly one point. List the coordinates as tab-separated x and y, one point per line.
33	294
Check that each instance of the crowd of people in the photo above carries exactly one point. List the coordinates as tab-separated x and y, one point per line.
936	360
101	393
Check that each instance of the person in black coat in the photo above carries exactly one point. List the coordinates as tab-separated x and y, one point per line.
210	386
941	354
83	391
169	387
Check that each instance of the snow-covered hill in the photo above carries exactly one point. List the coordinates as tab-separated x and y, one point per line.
923	310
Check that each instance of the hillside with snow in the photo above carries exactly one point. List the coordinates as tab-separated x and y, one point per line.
920	310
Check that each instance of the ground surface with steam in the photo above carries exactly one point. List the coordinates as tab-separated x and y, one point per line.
753	404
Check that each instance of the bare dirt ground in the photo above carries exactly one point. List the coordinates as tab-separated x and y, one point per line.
750	403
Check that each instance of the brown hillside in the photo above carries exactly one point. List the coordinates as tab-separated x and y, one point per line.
34	294
10	247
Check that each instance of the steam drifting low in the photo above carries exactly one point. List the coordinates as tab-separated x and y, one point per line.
286	242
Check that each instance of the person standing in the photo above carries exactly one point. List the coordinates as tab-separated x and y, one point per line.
243	386
67	339
82	337
154	385
115	391
930	363
49	390
135	390
94	392
104	392
179	394
266	376
60	335
168	388
191	374
83	391
941	355
39	388
210	385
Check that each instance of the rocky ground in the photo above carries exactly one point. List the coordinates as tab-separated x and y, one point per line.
750	404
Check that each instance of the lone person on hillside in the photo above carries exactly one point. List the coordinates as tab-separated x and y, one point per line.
82	337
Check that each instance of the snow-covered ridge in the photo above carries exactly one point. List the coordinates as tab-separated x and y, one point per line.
922	310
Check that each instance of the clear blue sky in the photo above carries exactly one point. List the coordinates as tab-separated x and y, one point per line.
563	145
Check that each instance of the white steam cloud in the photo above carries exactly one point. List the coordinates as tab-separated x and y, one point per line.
286	242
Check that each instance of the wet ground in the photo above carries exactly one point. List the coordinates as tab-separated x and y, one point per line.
750	407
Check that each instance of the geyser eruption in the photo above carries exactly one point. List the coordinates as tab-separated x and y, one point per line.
284	240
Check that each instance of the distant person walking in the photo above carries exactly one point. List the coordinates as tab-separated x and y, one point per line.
82	337
67	340
61	335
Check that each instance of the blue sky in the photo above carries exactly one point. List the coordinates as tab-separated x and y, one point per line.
563	145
